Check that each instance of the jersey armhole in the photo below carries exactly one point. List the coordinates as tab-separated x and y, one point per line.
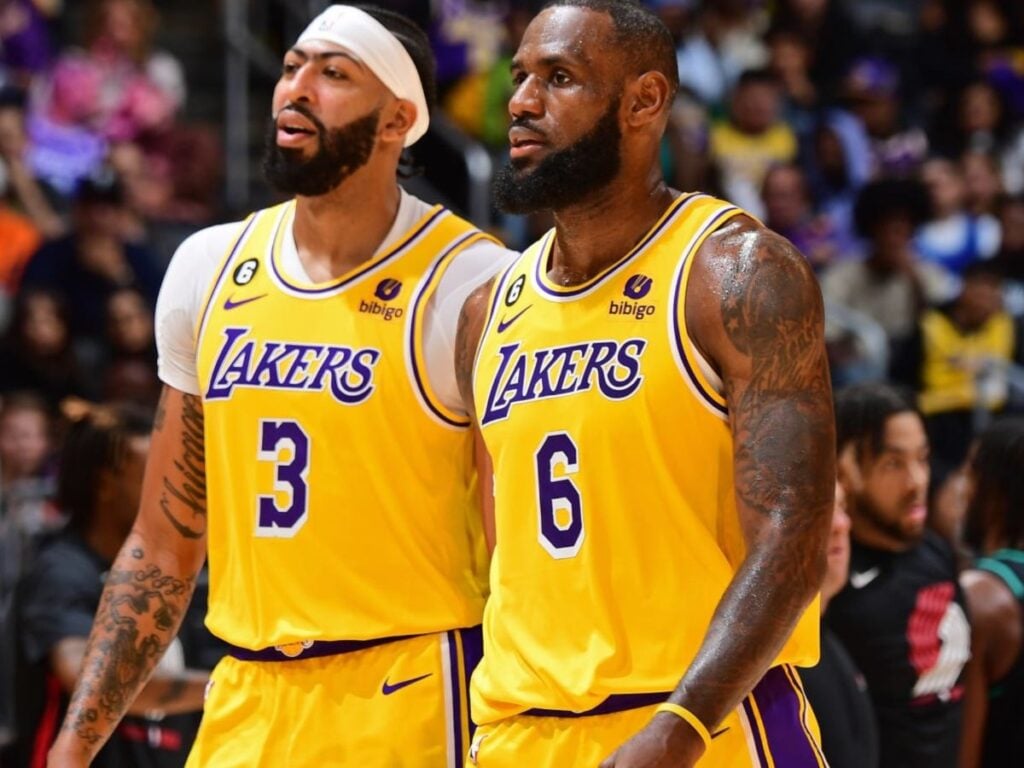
696	371
214	287
416	354
497	289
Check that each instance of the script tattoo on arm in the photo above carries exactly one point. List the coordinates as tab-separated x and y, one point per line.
768	340
139	613
183	497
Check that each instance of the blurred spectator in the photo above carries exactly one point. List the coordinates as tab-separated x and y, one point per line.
790	58
724	43
130	369
982	183
1010	260
953	237
753	139
36	354
25	47
901	615
100	484
994	682
787	206
961	358
21	189
95	259
688	141
838	166
115	89
829	28
892	285
26	479
871	90
836	689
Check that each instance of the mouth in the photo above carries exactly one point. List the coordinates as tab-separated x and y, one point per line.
917	514
524	143
293	130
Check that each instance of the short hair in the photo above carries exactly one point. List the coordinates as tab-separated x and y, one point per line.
96	441
22	401
759	76
998	501
644	39
886	199
862	411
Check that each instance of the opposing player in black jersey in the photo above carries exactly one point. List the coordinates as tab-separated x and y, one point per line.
993	734
901	615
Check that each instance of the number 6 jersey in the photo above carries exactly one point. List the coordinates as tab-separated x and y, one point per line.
341	489
617	529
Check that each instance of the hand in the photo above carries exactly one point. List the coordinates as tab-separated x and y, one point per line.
666	742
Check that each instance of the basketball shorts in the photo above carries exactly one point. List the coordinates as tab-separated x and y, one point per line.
774	727
403	703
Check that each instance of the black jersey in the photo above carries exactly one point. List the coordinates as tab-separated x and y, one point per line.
1004	728
902	618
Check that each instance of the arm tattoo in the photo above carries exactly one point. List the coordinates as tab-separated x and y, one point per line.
780	408
139	613
184	487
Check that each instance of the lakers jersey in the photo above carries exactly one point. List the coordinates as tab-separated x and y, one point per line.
617	529
341	491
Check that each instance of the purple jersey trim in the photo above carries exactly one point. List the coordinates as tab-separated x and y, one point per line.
371	266
677	336
671	214
220	277
417	377
317	649
619	702
782	709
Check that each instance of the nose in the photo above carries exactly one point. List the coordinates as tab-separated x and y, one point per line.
526	100
297	87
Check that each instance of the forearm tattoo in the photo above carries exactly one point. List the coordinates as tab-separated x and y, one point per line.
183	495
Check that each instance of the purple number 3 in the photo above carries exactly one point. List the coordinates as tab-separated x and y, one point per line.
290	478
560	505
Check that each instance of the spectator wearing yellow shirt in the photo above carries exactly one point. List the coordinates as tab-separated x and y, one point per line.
753	139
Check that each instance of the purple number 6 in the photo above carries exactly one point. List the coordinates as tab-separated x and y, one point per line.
273	520
561	508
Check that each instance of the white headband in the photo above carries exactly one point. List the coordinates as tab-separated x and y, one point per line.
382	53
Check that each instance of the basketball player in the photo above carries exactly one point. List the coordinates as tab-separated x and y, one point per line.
901	614
994	677
315	416
651	384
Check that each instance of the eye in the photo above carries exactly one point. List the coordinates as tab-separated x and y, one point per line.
289	68
335	74
518	78
561	77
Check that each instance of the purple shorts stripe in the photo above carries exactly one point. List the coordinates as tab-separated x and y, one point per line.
472	652
794	680
457	686
780	706
757	735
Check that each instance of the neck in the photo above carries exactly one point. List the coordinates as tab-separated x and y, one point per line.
340	230
868	535
585	243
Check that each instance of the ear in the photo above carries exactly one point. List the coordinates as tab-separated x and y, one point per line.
397	119
849	470
648	99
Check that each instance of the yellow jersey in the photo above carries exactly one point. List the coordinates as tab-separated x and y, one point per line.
616	521
342	494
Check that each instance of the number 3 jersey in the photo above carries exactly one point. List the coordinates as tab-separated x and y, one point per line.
341	491
617	529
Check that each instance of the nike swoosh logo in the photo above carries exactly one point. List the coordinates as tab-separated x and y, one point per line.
387	689
861	580
229	304
716	734
504	324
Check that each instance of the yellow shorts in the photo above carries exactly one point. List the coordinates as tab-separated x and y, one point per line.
402	703
773	728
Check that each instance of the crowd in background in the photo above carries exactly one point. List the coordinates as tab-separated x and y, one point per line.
885	138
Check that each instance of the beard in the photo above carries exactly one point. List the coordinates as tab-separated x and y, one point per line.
565	176
341	152
899	529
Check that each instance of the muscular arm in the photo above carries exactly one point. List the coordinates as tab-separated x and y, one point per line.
754	309
995	645
170	693
149	585
467	341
